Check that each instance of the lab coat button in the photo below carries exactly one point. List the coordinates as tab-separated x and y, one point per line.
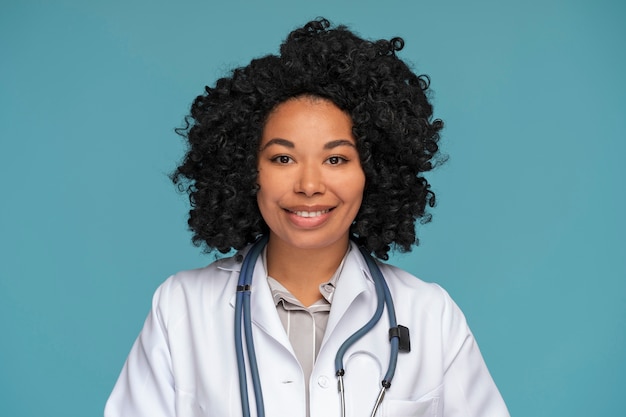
322	381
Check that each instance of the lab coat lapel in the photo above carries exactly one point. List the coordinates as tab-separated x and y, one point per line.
264	314
355	291
263	306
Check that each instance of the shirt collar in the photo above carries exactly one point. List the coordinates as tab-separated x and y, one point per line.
327	289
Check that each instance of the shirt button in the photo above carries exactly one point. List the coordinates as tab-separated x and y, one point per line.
322	381
328	288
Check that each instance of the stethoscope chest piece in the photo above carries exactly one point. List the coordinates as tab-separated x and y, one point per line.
399	337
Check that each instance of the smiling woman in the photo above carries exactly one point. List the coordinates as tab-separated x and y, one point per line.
310	191
308	163
392	126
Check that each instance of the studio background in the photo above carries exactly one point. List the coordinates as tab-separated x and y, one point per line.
528	234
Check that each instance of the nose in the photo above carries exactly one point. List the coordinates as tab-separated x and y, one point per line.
310	180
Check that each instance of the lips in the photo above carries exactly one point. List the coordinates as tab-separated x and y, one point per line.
308	217
303	213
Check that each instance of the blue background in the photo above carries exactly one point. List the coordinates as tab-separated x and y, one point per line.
528	235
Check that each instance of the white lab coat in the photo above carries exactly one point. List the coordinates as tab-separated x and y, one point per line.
183	362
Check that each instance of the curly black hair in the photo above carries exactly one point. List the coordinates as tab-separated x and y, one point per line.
393	127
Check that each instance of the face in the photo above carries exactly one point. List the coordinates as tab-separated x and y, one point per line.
310	177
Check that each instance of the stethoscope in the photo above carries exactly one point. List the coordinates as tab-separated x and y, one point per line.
398	335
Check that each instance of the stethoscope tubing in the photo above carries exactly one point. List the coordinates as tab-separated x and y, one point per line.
242	311
377	275
243	318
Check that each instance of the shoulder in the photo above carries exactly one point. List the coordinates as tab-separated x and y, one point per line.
409	290
190	290
405	284
425	302
214	274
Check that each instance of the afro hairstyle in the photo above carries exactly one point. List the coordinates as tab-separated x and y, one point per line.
396	135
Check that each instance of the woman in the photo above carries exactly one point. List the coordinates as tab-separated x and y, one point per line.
320	153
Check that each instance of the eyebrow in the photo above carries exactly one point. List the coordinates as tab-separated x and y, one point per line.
289	144
278	141
339	142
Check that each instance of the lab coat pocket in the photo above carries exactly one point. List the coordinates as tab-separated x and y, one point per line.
428	405
401	408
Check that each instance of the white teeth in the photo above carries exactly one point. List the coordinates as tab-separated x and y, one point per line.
311	213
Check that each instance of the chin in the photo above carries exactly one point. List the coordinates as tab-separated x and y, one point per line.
314	242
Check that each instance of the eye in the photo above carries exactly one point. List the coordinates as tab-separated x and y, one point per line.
336	160
281	159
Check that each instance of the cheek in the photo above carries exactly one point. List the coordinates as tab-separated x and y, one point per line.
263	202
260	191
270	184
270	189
357	187
262	196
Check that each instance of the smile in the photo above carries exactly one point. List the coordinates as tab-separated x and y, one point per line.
310	213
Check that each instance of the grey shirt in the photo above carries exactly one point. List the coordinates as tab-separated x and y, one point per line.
305	326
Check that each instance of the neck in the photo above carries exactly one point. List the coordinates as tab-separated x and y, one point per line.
301	271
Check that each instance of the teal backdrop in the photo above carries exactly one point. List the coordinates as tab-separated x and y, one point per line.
528	235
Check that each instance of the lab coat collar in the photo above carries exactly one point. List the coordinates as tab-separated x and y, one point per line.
233	263
354	280
264	310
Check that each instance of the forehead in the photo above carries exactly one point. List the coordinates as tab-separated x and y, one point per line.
307	117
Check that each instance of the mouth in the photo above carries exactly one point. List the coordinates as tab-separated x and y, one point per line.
309	214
